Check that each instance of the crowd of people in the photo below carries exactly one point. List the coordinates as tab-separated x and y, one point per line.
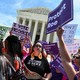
35	66
18	68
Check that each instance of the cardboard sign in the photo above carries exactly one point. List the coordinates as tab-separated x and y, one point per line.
69	33
19	30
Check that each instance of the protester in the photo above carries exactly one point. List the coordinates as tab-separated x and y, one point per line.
66	59
78	53
14	55
2	63
37	63
26	46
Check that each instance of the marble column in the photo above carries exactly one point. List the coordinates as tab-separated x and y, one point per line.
42	31
34	32
29	25
55	37
24	20
48	37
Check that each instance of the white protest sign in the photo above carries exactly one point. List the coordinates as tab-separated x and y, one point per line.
69	33
73	48
19	30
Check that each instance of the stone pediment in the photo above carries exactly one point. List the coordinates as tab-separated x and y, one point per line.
38	10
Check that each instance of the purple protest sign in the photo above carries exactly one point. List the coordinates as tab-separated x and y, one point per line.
51	48
60	16
19	30
58	64
43	42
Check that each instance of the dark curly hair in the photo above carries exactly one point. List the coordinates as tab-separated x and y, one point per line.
14	46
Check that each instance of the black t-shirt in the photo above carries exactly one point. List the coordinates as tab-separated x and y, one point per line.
40	66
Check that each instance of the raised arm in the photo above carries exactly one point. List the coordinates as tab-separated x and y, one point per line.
66	60
63	50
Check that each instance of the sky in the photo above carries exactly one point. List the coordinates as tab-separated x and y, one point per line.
8	10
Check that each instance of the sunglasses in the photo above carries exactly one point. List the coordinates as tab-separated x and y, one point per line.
38	46
77	57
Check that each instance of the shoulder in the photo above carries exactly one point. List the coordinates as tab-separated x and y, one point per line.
45	60
2	58
27	58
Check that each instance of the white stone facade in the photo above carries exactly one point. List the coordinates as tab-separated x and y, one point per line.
36	19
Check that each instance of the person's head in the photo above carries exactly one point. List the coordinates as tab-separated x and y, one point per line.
78	50
76	59
37	50
13	46
37	47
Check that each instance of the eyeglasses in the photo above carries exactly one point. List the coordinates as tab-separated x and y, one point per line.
38	46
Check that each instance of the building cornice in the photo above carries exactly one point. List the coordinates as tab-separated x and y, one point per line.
38	10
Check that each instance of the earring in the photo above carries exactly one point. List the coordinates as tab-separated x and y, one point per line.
32	55
40	56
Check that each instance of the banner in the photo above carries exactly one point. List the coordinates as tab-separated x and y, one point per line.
57	62
19	30
69	33
73	48
51	48
60	16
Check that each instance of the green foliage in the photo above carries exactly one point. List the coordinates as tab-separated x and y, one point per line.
3	31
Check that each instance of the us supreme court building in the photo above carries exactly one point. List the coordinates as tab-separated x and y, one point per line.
36	20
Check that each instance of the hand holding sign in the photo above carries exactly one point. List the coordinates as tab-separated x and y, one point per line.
60	32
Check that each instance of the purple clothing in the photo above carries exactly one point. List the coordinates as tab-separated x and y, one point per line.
75	78
55	75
